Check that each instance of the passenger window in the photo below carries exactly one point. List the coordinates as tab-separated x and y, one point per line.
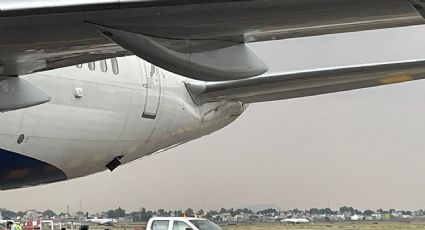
80	66
103	66
92	66
114	64
179	225
160	225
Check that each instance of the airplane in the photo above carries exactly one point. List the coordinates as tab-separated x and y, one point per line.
103	221
89	85
295	221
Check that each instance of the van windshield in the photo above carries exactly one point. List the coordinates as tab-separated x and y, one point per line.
205	225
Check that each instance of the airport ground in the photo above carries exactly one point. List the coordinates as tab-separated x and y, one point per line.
335	226
310	226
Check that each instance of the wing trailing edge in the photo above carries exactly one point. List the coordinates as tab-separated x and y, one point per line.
307	83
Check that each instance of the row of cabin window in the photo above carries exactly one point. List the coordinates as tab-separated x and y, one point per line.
103	66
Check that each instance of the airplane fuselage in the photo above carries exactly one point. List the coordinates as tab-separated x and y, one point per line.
101	115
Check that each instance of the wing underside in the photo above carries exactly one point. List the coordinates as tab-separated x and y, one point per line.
40	35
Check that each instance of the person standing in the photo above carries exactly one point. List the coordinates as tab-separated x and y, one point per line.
13	226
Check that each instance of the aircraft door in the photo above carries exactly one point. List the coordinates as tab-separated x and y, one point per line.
152	83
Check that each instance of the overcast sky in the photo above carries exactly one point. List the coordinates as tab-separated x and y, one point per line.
364	148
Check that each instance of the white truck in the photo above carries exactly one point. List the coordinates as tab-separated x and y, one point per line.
181	223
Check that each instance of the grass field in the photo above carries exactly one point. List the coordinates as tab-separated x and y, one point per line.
335	226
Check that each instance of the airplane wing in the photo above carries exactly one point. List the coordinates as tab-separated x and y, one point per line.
201	39
307	83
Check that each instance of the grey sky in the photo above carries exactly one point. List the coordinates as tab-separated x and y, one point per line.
363	148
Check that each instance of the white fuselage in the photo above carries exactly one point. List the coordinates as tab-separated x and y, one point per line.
97	115
103	221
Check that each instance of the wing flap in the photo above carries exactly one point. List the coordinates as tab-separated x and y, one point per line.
307	83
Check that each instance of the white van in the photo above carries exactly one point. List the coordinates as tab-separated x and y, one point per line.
181	223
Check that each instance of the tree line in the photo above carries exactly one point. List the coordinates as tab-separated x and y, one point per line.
144	215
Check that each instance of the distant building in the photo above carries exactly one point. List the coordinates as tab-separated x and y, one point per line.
377	216
357	217
418	213
397	215
226	217
223	217
339	217
243	217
